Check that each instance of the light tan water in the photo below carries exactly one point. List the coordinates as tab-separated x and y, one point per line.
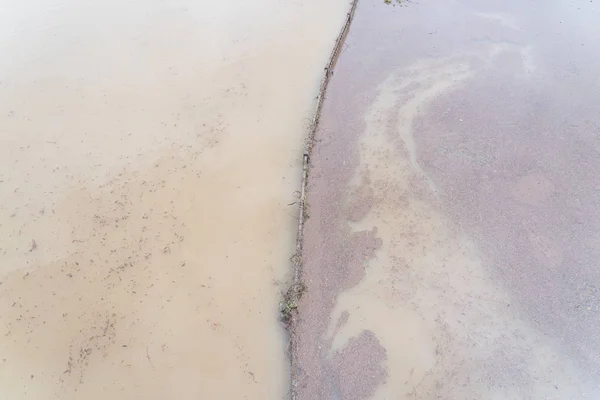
148	154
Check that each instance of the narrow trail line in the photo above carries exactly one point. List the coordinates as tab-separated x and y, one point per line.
289	308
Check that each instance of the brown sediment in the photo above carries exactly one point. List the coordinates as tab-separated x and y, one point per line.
148	156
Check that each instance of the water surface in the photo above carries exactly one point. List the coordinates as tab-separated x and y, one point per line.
148	154
451	250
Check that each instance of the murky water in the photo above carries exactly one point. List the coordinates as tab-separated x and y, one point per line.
427	295
148	154
451	250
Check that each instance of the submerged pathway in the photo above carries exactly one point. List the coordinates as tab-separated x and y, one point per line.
452	243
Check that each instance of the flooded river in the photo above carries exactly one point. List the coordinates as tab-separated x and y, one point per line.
149	152
452	246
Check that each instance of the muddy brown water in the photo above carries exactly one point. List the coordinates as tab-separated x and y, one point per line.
452	246
149	152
